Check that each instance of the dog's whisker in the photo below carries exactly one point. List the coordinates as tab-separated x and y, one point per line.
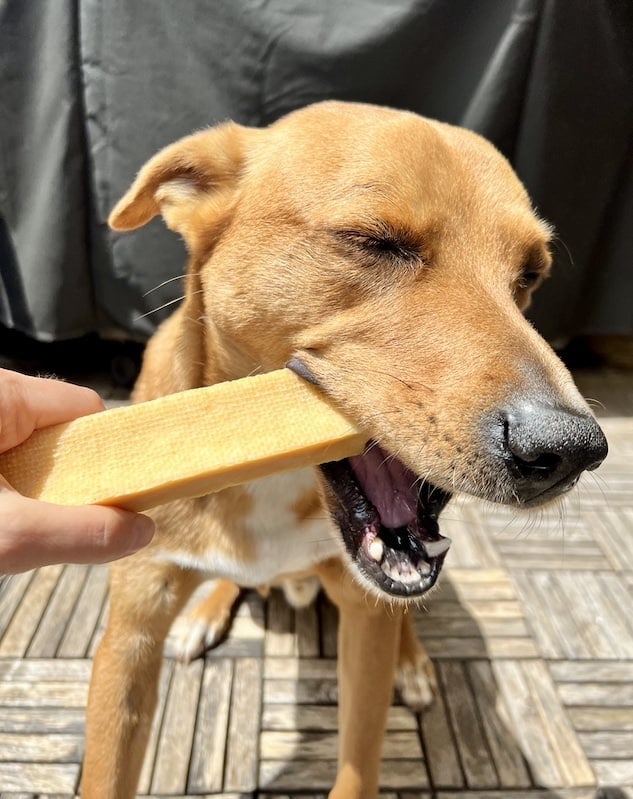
401	380
601	485
595	403
167	305
558	242
160	308
164	283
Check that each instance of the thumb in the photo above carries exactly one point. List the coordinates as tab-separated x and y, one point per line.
34	533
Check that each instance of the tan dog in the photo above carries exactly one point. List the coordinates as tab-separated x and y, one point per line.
386	258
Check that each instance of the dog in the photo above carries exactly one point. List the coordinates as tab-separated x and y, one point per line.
387	259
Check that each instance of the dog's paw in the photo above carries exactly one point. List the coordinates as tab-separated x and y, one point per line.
301	592
207	622
197	636
416	682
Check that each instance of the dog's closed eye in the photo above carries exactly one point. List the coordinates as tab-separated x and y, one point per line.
379	243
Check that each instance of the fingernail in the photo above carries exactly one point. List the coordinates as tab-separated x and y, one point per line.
142	533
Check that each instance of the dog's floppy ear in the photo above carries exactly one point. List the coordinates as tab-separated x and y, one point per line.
181	176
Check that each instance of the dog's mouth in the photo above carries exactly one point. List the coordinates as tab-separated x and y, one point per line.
388	519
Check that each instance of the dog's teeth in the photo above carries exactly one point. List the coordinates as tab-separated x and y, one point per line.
436	548
401	574
391	571
376	550
423	568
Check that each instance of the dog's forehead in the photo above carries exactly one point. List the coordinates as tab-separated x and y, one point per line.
372	155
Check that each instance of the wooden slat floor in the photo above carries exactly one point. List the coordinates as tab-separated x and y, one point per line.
531	633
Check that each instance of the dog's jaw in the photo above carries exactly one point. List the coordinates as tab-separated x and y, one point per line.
388	521
387	518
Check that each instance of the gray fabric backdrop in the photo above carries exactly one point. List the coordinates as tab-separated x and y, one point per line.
90	89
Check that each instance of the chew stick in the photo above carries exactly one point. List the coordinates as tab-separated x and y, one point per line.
183	445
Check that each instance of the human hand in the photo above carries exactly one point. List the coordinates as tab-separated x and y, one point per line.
34	533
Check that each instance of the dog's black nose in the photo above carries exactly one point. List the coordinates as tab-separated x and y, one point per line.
547	448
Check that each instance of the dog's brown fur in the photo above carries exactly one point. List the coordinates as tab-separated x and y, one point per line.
415	340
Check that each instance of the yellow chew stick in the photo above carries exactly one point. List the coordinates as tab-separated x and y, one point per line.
183	445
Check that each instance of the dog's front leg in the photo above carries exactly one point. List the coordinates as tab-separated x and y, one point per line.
368	646
145	598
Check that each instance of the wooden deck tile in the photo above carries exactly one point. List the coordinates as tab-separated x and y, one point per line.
283	745
300	775
197	796
608	745
470	740
59	748
475	614
596	694
540	725
530	794
598	698
26	618
53	623
149	762
614	772
206	771
99	629
576	615
611	526
439	743
303	796
508	759
43	694
611	671
280	632
587	616
46	721
242	736
296	775
316	718
307	627
12	589
41	778
554	554
176	738
82	623
304	692
38	670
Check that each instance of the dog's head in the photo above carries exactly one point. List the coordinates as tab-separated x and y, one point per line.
388	259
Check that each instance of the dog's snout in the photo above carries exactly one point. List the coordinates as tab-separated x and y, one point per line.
546	449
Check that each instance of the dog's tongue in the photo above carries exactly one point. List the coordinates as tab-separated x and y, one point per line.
388	485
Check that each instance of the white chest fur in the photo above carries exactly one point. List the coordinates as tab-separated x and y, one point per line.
280	538
283	544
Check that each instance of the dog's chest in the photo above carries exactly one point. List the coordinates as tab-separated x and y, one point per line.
285	540
282	537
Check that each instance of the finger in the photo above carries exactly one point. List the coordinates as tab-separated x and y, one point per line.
36	533
28	403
